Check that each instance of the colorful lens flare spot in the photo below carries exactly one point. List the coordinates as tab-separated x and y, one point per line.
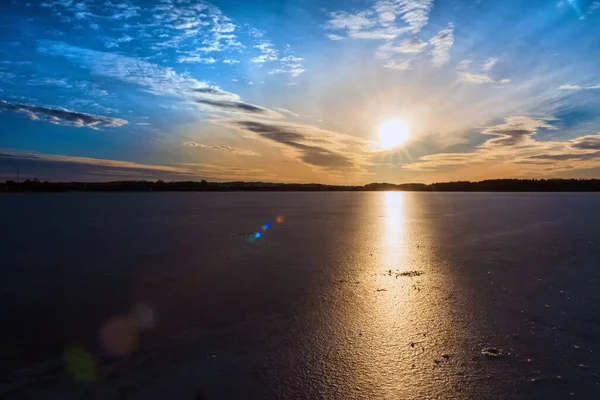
253	237
81	364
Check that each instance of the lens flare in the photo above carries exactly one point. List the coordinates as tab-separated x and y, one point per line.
264	228
81	364
119	336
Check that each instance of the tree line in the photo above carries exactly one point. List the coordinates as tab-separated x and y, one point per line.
492	185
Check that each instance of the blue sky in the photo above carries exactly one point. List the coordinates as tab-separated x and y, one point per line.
296	90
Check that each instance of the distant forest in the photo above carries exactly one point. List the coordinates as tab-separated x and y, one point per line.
495	185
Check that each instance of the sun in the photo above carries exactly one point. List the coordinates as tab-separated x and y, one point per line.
393	133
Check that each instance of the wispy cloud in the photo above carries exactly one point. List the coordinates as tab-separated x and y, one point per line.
61	167
578	87
570	87
442	43
515	130
389	51
196	59
293	137
464	65
62	116
268	53
489	64
386	19
481	77
389	20
333	36
223	148
62	83
233	106
157	80
286	111
289	65
475	78
588	142
514	148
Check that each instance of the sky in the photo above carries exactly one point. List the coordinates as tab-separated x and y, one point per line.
295	91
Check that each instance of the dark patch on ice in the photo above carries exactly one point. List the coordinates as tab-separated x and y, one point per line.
492	352
409	274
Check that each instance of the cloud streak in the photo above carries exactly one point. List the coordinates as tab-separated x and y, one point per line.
156	79
223	148
293	137
515	130
514	147
63	116
233	106
442	43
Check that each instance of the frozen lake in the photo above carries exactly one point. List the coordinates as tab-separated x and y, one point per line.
349	296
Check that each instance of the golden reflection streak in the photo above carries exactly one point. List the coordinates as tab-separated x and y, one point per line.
404	328
394	228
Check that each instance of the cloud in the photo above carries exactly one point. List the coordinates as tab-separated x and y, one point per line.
489	64
515	130
566	156
442	43
62	116
49	82
398	65
231	61
233	106
414	45
286	111
158	80
388	20
268	53
570	87
50	166
479	78
71	168
475	78
333	36
349	21
589	142
196	59
514	147
224	148
210	90
409	46
293	137
256	33
464	65
184	18
578	87
289	65
382	20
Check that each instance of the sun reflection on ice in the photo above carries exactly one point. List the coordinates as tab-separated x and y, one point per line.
394	228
